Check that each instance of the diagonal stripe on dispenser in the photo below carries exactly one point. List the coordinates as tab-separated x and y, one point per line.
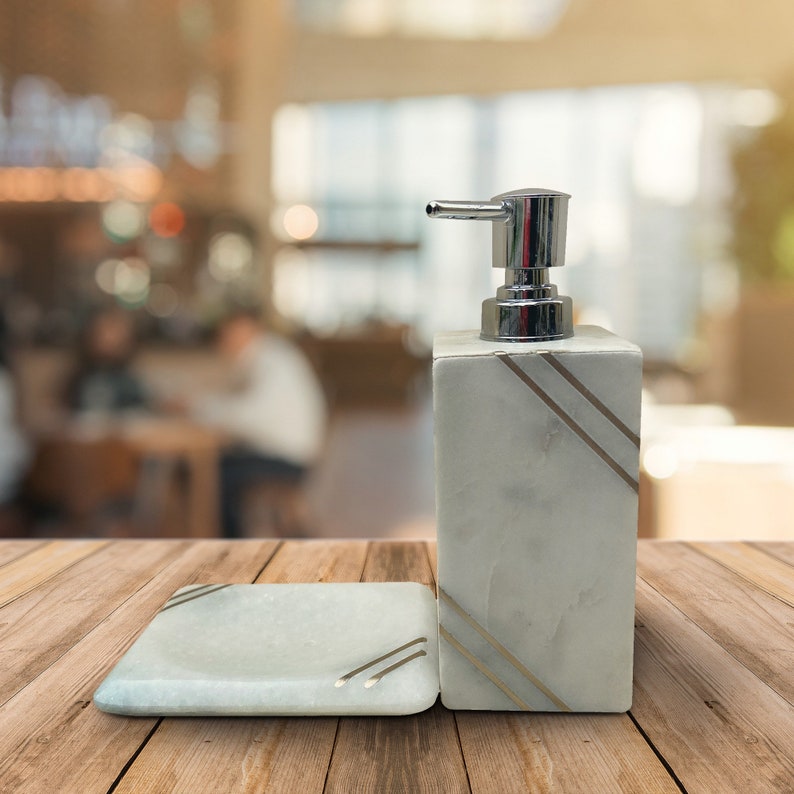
504	652
569	421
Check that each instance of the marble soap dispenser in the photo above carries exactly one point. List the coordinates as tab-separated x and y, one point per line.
537	437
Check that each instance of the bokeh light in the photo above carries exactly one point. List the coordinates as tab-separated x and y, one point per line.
301	222
123	220
230	256
166	219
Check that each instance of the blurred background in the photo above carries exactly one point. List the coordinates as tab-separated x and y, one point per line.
164	164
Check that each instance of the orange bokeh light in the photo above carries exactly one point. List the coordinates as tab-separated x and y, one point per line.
166	219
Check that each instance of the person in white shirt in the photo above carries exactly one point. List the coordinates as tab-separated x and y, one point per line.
274	412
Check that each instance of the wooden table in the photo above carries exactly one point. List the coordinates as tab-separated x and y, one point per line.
714	682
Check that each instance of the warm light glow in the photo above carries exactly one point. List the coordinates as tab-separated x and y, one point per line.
660	461
139	183
127	279
122	220
230	255
301	222
166	219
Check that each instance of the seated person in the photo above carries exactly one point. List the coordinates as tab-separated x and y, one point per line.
274	412
102	381
14	451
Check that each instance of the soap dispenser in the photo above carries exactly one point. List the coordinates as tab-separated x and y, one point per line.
537	464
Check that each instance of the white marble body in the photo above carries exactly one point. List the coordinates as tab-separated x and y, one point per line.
536	531
282	649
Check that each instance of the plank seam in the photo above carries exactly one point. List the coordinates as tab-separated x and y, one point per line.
34	546
710	635
268	560
741	576
134	756
462	753
656	752
107	617
760	546
105	545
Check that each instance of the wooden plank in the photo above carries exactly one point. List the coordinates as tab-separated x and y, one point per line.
413	753
50	734
754	626
27	572
432	555
784	551
252	755
39	627
12	549
771	574
718	726
317	561
399	561
539	753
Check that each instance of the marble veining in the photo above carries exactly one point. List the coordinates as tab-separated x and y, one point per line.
282	649
536	507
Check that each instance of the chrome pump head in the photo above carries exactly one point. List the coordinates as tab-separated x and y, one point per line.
528	238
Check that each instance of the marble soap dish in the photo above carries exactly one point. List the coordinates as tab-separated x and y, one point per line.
282	649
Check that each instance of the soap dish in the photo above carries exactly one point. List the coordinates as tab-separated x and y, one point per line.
282	649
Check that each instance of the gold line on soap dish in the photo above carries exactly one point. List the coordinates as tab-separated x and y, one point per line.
370	682
590	397
569	421
470	657
214	589
347	676
491	640
190	592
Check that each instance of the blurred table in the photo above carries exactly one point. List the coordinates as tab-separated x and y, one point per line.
84	463
167	443
712	700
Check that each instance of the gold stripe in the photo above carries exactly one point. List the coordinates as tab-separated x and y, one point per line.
377	677
570	422
347	676
194	597
191	591
528	674
590	397
483	669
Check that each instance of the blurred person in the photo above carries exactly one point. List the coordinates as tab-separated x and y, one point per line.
273	411
14	449
103	382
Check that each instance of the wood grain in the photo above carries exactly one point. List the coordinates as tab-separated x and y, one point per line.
752	625
40	626
770	573
414	753
49	731
782	551
251	755
542	753
713	683
12	549
399	561
715	722
25	573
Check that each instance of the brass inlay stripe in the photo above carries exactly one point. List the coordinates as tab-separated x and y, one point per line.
191	591
194	597
377	677
491	640
347	676
570	422
483	669
590	397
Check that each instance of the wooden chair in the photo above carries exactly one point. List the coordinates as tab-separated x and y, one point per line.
87	484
